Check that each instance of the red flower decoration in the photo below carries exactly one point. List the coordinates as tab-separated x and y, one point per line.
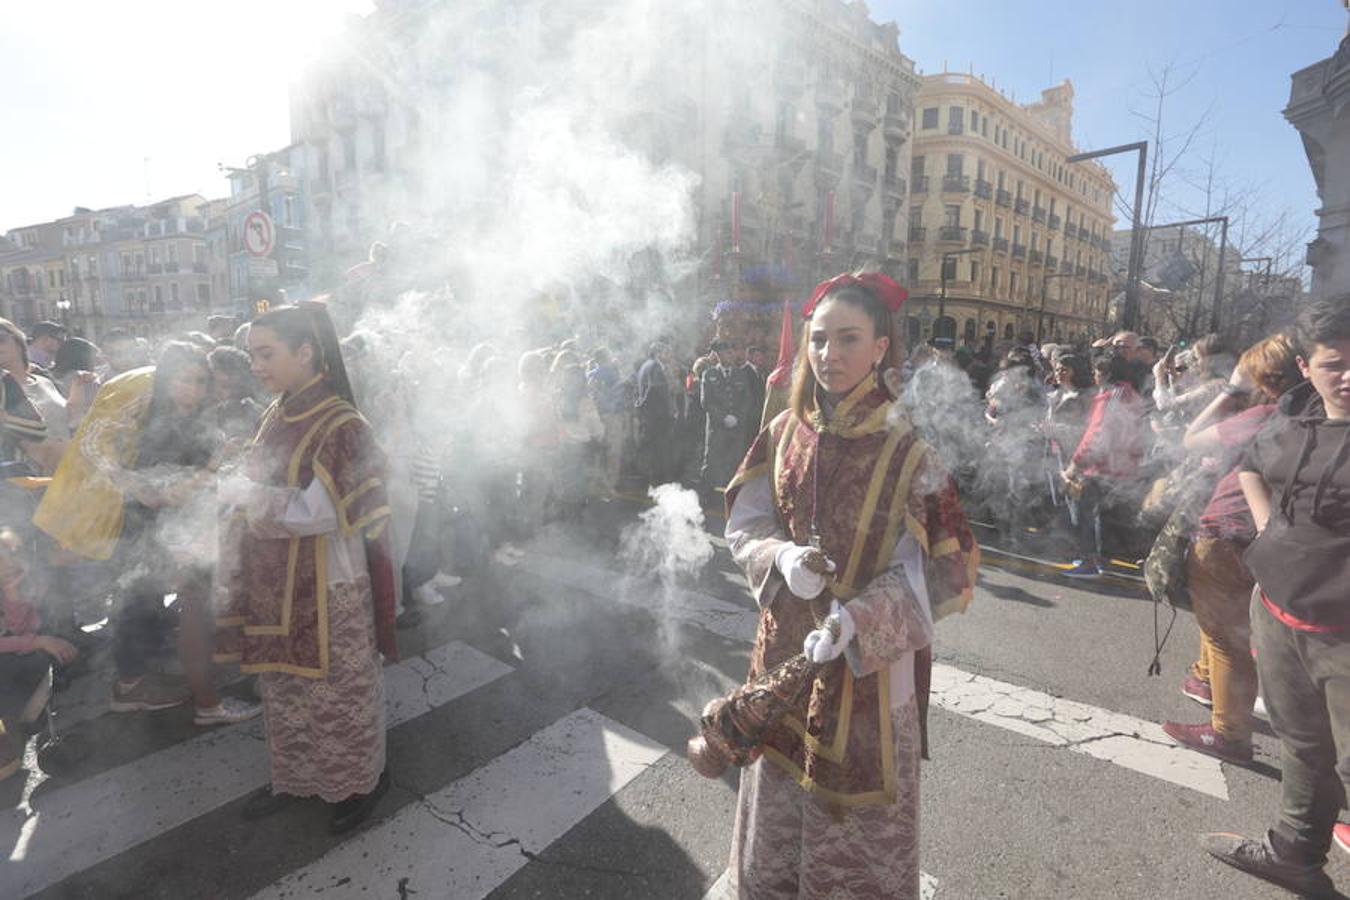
887	290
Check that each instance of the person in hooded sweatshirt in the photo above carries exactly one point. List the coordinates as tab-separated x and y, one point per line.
1296	478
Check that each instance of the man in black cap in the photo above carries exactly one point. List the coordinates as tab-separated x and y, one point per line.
44	339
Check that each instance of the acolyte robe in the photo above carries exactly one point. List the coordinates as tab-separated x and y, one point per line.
273	614
832	807
866	482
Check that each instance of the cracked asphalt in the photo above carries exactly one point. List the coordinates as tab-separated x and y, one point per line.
1008	812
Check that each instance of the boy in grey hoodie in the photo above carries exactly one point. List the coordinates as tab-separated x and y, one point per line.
1296	478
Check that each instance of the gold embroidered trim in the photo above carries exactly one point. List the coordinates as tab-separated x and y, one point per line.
834	752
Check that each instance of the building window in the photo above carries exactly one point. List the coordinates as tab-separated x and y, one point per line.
892	104
1012	285
1008	332
916	165
930	117
951	215
969	331
915	216
979	220
998	226
956	120
913	271
993	279
173	296
974	272
979	169
203	295
956	164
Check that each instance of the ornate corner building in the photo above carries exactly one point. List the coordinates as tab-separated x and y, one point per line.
1023	234
1317	108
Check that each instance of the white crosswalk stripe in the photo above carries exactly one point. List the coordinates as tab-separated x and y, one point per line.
1117	738
76	826
466	839
469	837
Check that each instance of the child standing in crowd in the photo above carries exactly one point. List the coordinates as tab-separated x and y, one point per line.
308	584
1224	677
1296	478
26	657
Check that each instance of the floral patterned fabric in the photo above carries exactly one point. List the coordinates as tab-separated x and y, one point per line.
325	736
789	844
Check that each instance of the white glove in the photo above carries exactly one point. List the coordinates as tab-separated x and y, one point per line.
820	645
791	561
730	421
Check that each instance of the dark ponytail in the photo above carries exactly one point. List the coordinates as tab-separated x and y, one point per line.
308	322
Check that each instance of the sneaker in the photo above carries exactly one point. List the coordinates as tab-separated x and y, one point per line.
146	693
229	711
1260	859
349	813
427	595
1204	739
445	580
1340	836
1082	569
1198	690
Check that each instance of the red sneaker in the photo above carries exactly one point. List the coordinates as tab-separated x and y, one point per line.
1340	836
1205	739
1197	690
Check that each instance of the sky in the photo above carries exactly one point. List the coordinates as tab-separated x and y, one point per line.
115	103
1235	57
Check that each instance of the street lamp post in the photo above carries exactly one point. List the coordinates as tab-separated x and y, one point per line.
1040	315
1131	312
942	297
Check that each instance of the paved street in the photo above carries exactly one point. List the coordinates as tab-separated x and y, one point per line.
537	725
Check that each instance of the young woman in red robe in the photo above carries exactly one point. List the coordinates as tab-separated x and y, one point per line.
308	589
831	808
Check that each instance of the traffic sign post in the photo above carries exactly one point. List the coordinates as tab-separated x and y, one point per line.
260	234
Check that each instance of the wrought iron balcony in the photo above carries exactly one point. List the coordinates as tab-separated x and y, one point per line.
1003	198
199	267
864	175
920	184
1079	271
829	165
1070	231
1021	206
1038	214
1051	262
830	95
1035	257
917	234
956	184
957	127
1000	245
789	145
1053	222
1019	251
894	127
983	189
979	238
864	112
952	233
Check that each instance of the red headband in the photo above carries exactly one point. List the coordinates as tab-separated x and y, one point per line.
886	289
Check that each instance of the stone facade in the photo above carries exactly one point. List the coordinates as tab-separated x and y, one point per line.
799	142
1317	108
1018	225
